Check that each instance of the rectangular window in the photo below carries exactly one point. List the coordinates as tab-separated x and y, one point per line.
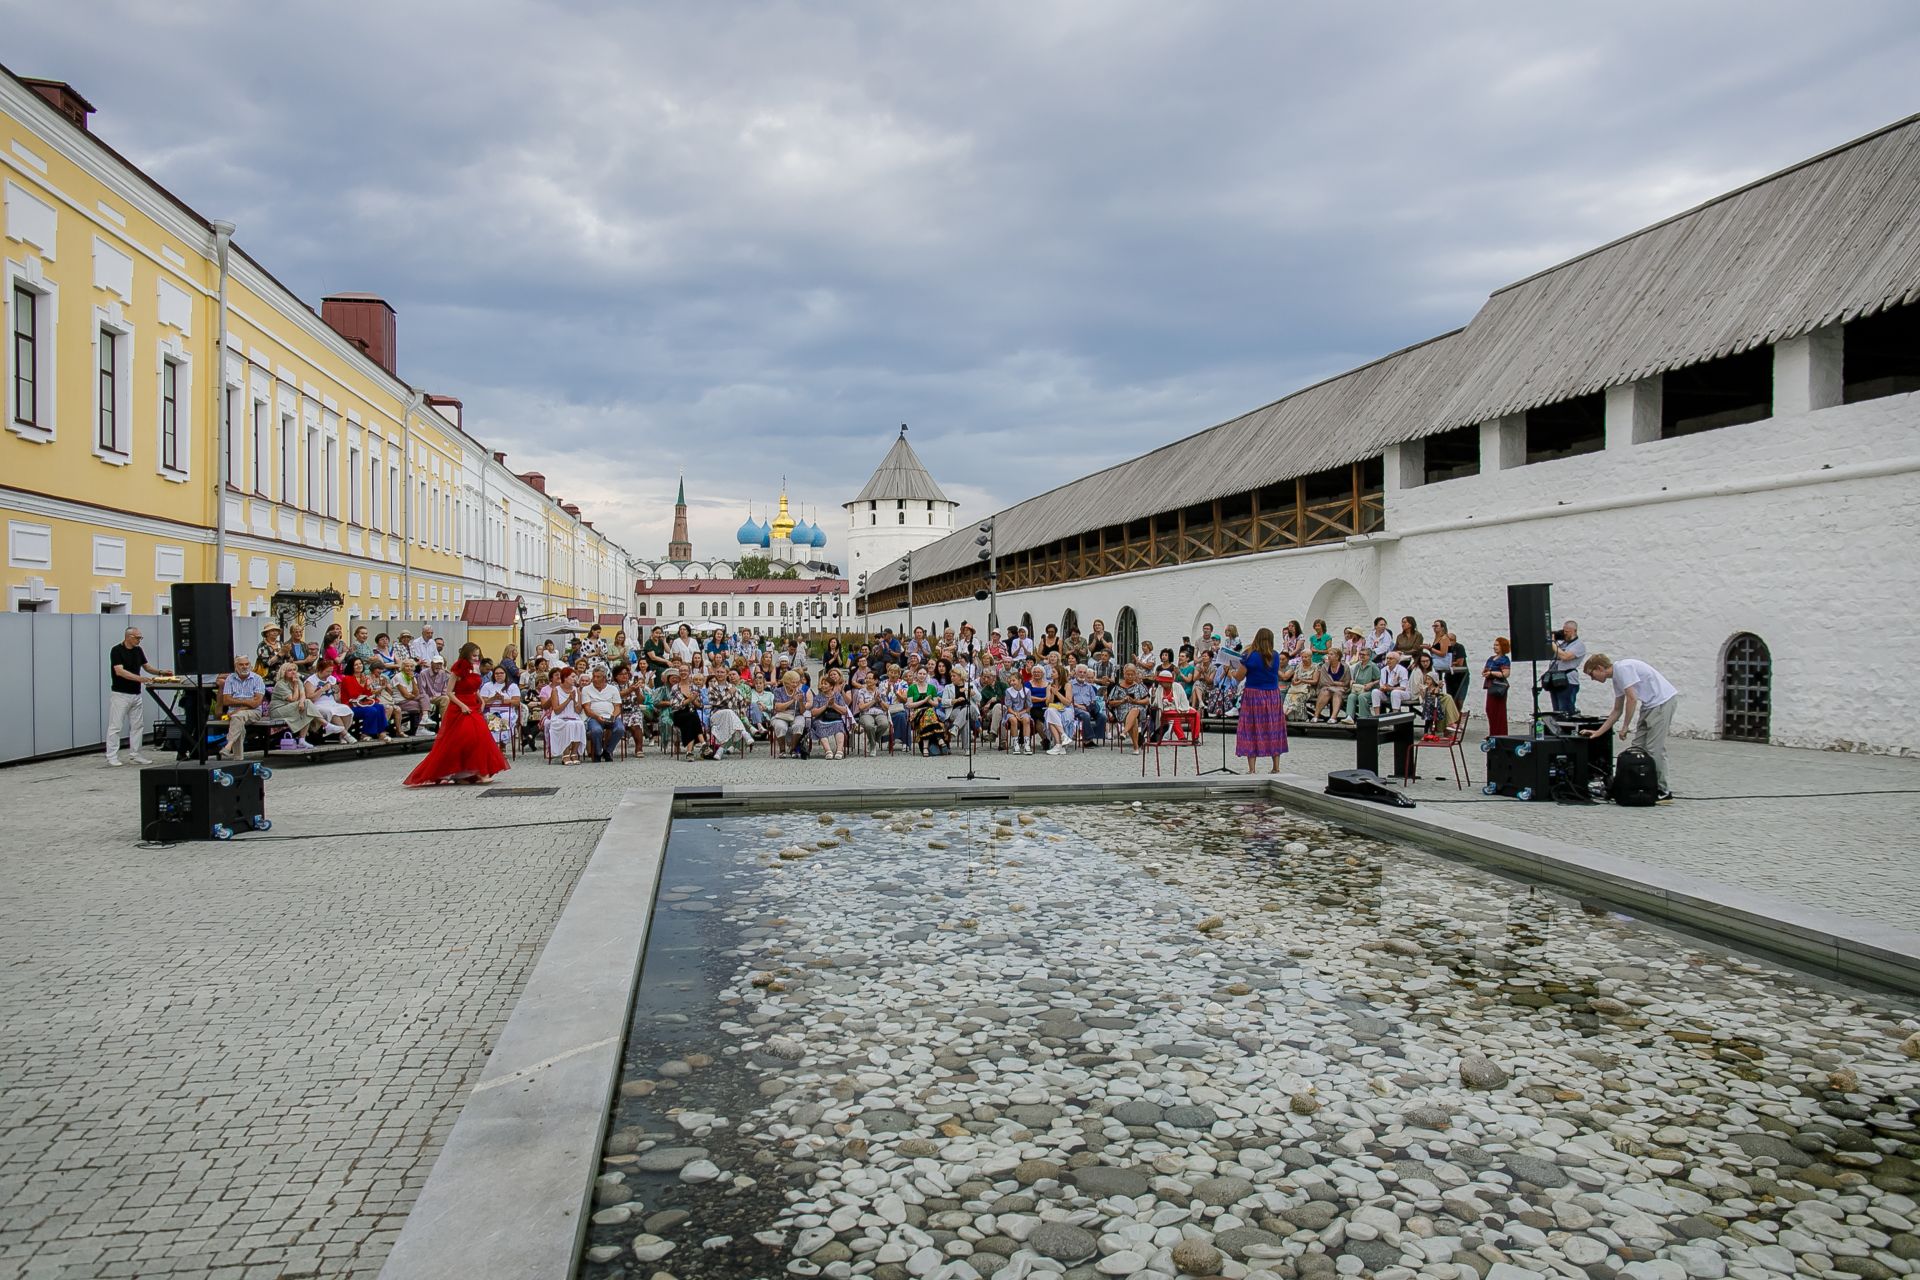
170	414
333	477
109	391
1717	393
227	407
26	355
289	445
1880	354
312	452
1567	429
353	484
262	449
375	487
1452	454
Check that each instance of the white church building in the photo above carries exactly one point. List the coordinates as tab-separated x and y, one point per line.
1705	435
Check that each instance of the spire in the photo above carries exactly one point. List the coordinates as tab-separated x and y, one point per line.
782	522
680	547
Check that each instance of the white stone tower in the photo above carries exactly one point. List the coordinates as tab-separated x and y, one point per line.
900	509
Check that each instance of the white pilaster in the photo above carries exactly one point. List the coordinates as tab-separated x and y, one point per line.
1808	371
1633	413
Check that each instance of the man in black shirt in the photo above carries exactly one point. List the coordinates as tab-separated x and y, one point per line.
127	670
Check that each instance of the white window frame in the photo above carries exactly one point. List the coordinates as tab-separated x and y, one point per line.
354	513
289	457
170	351
330	465
46	296
109	326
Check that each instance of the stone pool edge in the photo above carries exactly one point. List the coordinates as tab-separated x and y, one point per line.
509	1195
510	1191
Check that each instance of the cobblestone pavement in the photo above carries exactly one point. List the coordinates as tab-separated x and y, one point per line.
240	1060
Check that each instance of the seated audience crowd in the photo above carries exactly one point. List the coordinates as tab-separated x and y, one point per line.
726	693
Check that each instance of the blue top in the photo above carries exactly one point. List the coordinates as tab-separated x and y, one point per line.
1262	673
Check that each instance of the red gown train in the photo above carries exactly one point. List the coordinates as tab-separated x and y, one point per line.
463	748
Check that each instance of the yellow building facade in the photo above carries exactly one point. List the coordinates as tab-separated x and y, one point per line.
338	474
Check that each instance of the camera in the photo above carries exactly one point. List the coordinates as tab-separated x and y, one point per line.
1560	636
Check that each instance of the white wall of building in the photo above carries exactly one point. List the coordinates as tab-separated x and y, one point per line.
1800	528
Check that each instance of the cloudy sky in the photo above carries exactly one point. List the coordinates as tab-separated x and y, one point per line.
748	241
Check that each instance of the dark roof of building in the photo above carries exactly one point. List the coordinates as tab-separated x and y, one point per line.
901	475
490	613
740	586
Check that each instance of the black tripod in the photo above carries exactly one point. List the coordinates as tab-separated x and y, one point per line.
1223	767
973	736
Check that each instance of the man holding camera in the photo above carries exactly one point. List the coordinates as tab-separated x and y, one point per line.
1563	673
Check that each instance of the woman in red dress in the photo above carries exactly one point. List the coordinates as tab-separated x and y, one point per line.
463	750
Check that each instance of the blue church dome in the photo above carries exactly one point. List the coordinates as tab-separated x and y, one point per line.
819	536
748	534
802	534
766	534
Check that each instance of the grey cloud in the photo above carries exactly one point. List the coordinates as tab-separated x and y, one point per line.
748	241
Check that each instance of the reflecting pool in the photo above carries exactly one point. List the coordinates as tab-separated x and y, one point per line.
1172	1039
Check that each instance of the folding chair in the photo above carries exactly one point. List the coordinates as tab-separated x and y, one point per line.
1183	728
1454	741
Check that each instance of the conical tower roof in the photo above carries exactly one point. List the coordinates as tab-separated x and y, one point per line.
901	475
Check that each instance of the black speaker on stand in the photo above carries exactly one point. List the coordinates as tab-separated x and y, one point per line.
1530	629
202	628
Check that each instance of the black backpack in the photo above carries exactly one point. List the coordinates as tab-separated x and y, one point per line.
1635	780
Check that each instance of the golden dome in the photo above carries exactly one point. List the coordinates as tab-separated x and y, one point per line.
782	523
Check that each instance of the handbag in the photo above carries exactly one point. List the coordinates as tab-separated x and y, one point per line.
1496	686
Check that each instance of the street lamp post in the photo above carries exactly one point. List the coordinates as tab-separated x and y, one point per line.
992	594
906	576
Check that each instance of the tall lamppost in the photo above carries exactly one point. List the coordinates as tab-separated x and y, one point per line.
906	576
992	593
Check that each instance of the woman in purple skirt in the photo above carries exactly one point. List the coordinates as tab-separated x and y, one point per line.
1263	717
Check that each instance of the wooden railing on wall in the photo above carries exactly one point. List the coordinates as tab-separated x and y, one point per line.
1264	525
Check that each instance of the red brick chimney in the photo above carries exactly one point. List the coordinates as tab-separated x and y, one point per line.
499	457
365	319
537	481
64	98
570	509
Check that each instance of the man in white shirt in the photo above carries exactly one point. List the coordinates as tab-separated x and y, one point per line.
1022	646
600	703
1642	703
424	650
1392	689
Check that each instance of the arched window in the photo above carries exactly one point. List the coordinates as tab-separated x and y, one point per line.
1026	623
1746	689
1127	628
1069	623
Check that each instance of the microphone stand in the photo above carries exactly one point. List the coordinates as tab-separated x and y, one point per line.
1224	767
973	737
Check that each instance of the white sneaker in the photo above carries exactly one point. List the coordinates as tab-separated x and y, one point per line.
137	758
114	763
1056	750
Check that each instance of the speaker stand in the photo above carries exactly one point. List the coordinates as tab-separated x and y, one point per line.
1533	727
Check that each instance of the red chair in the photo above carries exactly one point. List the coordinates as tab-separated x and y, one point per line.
1454	741
1182	730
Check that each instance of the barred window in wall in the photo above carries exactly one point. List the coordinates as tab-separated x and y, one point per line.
26	356
170	414
109	407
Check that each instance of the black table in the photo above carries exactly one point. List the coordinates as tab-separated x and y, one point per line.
1367	732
